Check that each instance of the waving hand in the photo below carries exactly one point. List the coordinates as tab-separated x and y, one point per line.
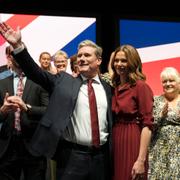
11	36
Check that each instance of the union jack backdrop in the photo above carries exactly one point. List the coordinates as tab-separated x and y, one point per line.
158	43
49	33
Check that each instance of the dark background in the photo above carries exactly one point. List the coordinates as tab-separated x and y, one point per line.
107	13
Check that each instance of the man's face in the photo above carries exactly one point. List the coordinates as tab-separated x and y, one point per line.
12	63
9	61
88	62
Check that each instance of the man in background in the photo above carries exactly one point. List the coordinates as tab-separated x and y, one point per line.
20	113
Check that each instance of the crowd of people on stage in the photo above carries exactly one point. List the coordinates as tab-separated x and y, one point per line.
86	125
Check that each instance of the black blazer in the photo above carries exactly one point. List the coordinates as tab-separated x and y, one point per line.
34	95
63	89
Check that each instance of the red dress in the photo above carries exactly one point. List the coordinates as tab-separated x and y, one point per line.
132	105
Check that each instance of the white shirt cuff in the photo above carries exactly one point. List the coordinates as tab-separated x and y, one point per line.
19	49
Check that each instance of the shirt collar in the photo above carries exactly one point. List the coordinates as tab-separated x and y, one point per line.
96	79
15	75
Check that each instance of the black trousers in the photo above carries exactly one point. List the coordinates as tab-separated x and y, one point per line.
18	160
77	162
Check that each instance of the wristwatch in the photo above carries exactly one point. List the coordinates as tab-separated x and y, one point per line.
28	106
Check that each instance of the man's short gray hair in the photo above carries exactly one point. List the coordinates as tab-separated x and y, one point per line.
98	49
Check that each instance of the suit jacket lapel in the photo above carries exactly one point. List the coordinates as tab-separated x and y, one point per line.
10	86
76	86
27	88
107	90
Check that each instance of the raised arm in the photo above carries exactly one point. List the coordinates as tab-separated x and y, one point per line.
23	58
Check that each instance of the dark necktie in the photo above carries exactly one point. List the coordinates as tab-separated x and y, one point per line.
93	114
20	88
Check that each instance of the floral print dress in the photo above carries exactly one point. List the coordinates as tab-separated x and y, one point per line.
164	157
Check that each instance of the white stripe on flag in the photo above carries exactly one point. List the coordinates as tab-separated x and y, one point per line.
160	52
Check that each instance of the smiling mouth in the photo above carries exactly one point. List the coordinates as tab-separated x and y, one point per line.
121	69
169	87
81	65
61	66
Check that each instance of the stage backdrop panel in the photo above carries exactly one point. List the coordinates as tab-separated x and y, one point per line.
49	33
158	43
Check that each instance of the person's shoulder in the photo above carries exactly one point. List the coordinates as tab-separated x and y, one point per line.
5	74
107	78
142	83
4	79
108	87
64	76
53	70
105	82
36	87
158	97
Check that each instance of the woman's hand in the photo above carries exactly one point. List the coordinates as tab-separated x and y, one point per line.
164	110
138	170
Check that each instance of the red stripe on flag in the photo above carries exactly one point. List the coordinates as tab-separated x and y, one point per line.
153	69
18	20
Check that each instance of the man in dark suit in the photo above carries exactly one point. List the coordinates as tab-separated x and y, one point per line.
65	130
15	156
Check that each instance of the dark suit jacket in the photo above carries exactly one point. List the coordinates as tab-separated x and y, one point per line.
34	95
63	89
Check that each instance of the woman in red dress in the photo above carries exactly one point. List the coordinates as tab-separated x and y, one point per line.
132	105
